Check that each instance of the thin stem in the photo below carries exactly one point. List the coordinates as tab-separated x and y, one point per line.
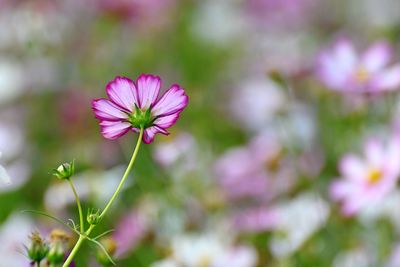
128	169
84	235
78	202
74	251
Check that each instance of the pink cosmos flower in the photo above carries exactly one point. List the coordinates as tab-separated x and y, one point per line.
281	13
366	180
257	171
135	105
131	229
341	68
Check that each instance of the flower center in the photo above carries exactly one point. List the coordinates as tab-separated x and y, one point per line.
361	74
374	175
205	261
141	118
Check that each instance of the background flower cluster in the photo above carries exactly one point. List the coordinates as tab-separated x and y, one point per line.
287	155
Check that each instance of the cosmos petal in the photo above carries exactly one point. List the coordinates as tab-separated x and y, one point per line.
173	101
377	56
345	55
114	129
353	168
148	88
388	79
122	91
167	121
149	133
107	110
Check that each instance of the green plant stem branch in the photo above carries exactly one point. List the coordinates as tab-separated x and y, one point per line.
128	169
84	235
78	202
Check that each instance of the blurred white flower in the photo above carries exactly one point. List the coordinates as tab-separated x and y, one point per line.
197	251
219	21
13	235
394	259
256	103
241	256
166	263
379	14
27	22
298	219
388	207
12	79
4	177
11	140
180	149
96	185
12	144
208	250
357	257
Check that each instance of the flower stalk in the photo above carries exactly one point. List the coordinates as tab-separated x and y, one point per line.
78	203
85	234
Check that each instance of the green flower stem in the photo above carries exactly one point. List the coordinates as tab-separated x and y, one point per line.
135	152
83	236
78	202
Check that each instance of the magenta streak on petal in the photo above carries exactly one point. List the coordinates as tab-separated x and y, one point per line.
124	95
149	133
174	100
148	88
122	91
107	110
167	121
114	129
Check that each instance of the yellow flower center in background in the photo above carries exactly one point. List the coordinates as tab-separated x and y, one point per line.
361	74
374	175
205	261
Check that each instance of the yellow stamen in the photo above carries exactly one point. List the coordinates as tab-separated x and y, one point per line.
361	74
374	175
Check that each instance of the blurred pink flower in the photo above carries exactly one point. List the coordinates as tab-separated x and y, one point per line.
366	180
285	13
134	105
130	230
341	68
146	13
256	171
394	259
256	219
180	148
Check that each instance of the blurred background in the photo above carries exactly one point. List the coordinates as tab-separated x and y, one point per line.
271	164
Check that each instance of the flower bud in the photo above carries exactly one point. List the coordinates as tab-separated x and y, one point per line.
110	246
65	170
93	216
58	246
38	248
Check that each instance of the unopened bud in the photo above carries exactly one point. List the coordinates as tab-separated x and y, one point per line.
65	170
93	216
38	248
58	246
